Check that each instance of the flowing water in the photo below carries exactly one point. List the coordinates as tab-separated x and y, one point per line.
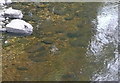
71	41
106	40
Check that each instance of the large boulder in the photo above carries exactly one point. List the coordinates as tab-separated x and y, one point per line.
19	27
13	13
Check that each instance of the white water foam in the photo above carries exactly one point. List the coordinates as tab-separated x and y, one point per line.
107	25
106	33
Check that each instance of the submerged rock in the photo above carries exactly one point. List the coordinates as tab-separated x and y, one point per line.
70	17
69	77
78	43
74	34
13	13
47	42
19	27
38	57
22	68
54	49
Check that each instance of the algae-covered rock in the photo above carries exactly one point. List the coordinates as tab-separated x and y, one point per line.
74	34
79	25
47	42
70	17
78	43
22	68
60	9
38	57
69	77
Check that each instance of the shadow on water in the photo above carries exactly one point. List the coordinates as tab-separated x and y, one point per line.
16	34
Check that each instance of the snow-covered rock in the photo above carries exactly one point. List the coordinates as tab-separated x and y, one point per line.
2	29
19	27
8	1
13	13
3	2
1	16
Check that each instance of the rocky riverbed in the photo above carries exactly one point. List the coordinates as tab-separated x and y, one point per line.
57	50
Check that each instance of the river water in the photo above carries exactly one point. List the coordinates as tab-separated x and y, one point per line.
71	41
106	38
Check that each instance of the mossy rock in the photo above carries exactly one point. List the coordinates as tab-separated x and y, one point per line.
37	49
16	5
27	18
59	9
7	45
38	57
22	41
70	17
69	77
79	43
62	38
59	12
79	25
73	35
59	31
40	49
66	76
35	18
47	42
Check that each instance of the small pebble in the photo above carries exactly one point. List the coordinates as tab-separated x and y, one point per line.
54	49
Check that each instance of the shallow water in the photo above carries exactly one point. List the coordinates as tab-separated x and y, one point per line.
65	43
